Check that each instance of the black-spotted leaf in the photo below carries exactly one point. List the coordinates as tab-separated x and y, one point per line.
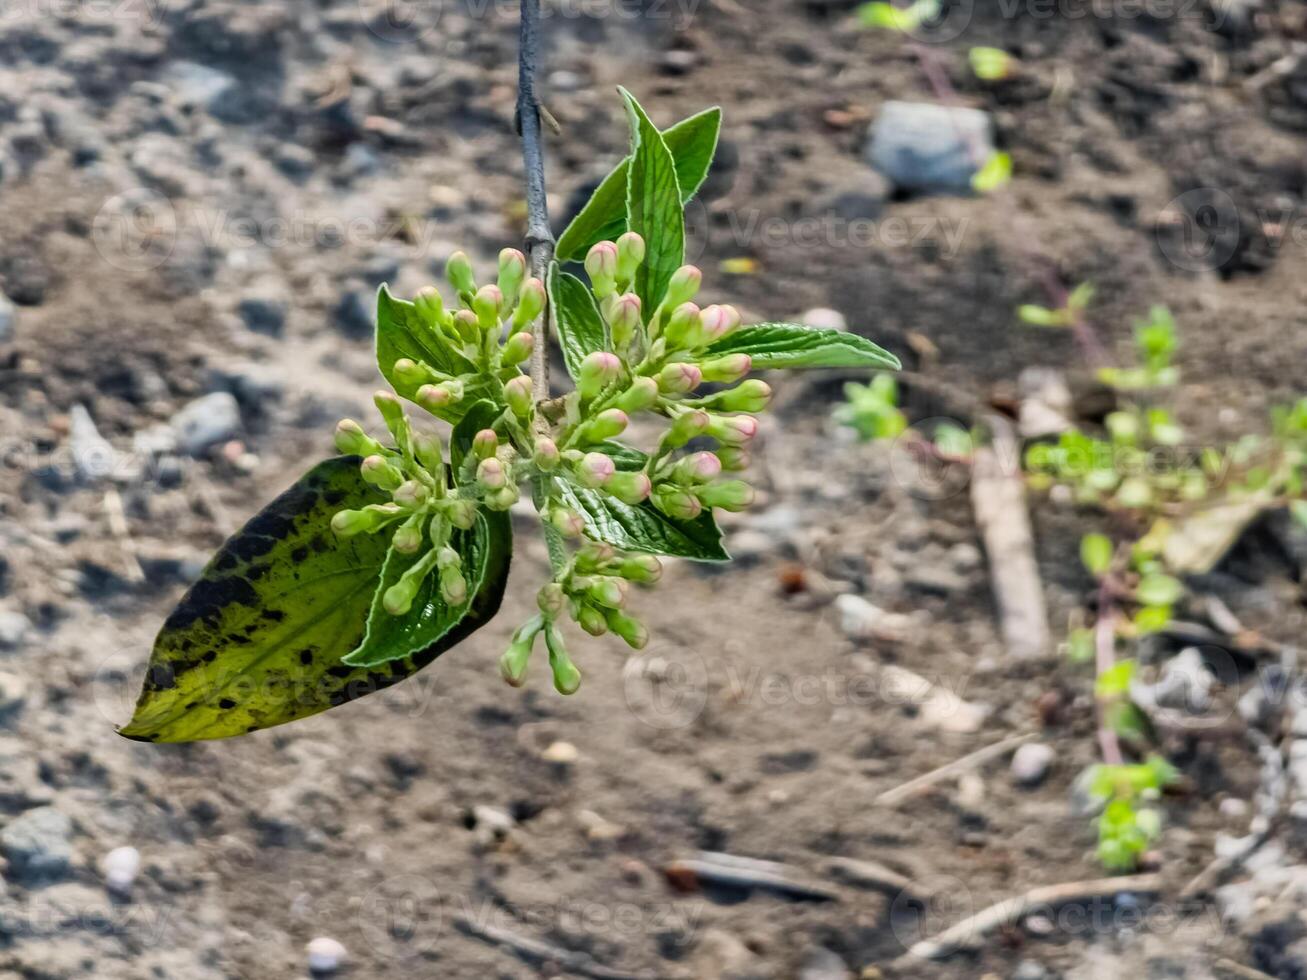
259	640
693	143
402	332
643	527
653	206
792	345
581	328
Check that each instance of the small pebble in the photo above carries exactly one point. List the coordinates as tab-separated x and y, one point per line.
823	318
326	955
1031	762
563	753
120	867
14	627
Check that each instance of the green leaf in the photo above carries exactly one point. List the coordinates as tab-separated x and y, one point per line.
643	527
1096	553
792	345
1298	509
258	641
693	143
485	549
581	328
402	332
1040	316
996	172
1080	646
653	206
1159	590
1115	681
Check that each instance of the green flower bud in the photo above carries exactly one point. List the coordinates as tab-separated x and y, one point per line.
486	304
390	407
601	266
347	523
512	270
642	395
750	396
608	591
381	474
630	253
594	470
453	586
353	441
683	326
545	455
517	393
462	513
517	349
683	286
628	628
680	378
629	488
697	468
598	371
734	459
530	303
447	557
485	444
728	495
593	555
625	321
727	369
567	522
408	539
607	424
552	600
491	475
591	619
427	450
458	270
645	569
411	494
467	325
512	665
735	430
431	305
437	398
503	498
412	374
567	679
398	599
676	503
685	427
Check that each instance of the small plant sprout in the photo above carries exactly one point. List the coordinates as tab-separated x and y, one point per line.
904	20
991	64
379	560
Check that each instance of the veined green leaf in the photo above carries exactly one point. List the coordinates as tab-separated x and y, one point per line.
402	332
581	329
259	640
792	345
653	206
693	143
485	549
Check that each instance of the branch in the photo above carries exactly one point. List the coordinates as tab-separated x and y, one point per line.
539	237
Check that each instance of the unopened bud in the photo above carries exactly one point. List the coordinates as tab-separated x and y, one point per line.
408	539
353	441
491	475
437	398
628	628
642	395
683	326
390	407
567	522
591	619
447	557
512	270
749	396
517	349
453	586
567	679
727	369
676	503
734	458
398	599
465	322
462	513
347	523
512	665
485	444
503	498
630	253
607	424
430	304
608	591
517	393
551	599
728	495
381	474
411	494
411	374
530	303
735	430
680	378
594	470
427	450
625	320
629	488
545	455
697	468
597	372
719	322
458	270
601	266
645	569
594	554
689	426
486	304
683	286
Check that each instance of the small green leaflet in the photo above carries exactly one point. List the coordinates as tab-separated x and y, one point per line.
792	345
693	144
643	527
402	332
653	206
581	329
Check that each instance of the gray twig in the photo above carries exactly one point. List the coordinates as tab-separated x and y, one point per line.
539	236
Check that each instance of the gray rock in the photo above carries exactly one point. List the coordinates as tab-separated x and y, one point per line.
13	695
820	963
215	91
37	844
14	627
354	313
1031	763
925	147
294	161
93	457
8	314
264	307
1030	970
207	421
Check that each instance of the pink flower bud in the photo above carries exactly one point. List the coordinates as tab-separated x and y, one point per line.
597	372
737	430
676	503
411	494
407	540
717	322
485	444
683	286
490	474
680	378
486	305
594	470
465	322
630	253
517	349
683	326
567	522
601	266
629	488
545	455
517	393
625	320
698	468
727	369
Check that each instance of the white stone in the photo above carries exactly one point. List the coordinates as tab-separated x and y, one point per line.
120	868
326	955
1031	763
